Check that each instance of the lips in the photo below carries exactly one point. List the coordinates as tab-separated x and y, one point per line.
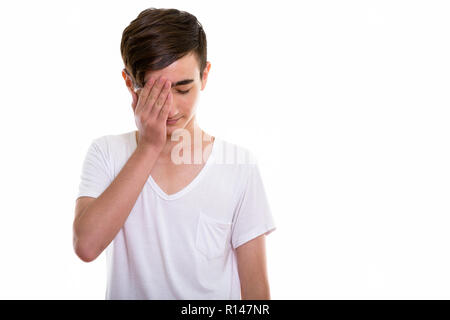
172	122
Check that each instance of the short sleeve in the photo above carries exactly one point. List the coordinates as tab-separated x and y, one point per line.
95	175
253	216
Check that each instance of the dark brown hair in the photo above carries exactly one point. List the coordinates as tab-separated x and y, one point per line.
157	38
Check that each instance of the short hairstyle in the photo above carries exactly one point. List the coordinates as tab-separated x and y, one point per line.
159	37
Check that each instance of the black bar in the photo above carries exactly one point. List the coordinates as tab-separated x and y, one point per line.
227	309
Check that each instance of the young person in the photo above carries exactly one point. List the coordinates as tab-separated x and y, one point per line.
178	220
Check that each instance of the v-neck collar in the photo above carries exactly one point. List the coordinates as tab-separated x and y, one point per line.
192	184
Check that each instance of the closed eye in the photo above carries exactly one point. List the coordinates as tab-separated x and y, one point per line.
183	92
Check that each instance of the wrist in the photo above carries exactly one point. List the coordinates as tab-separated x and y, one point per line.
147	150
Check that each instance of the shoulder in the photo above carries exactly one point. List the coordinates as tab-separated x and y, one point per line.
114	149
232	153
113	142
236	163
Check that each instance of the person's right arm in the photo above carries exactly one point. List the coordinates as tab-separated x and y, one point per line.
98	220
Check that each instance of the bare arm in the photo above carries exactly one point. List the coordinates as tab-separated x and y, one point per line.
97	225
98	220
251	260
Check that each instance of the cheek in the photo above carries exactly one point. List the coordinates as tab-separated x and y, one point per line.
185	103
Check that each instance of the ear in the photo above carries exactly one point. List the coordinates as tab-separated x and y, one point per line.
205	74
130	86
127	78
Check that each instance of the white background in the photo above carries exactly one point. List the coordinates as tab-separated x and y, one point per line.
345	103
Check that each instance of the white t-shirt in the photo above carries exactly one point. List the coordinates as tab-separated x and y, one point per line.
181	246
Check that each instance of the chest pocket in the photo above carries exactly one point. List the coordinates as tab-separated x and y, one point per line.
212	236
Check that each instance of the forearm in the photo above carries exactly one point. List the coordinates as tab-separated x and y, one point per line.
257	291
98	225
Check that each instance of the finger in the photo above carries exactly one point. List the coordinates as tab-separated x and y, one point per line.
161	99
143	95
133	97
154	94
164	114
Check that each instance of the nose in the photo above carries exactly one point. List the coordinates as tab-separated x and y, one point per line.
173	113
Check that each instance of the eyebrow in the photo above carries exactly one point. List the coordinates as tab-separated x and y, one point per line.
180	83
